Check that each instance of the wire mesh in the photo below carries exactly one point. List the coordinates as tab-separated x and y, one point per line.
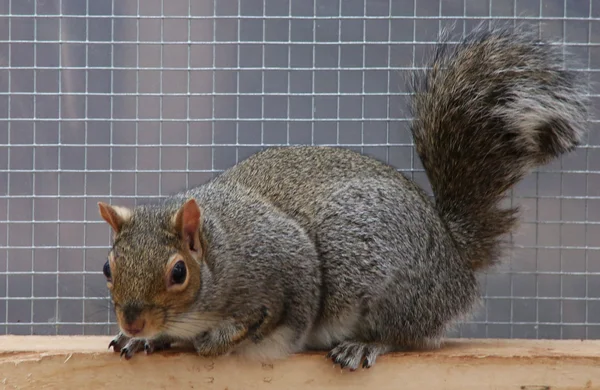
125	101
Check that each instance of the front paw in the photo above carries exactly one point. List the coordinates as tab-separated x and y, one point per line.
118	342
229	333
152	346
132	347
204	345
129	347
215	342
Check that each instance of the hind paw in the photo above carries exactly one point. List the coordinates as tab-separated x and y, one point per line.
351	354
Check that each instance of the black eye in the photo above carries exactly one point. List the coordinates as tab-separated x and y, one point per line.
106	270
178	273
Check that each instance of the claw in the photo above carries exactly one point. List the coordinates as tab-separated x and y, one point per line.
128	355
124	352
117	343
351	355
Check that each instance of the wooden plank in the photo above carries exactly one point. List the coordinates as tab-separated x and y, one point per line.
48	362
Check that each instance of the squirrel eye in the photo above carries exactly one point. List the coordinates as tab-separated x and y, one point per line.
106	270
178	273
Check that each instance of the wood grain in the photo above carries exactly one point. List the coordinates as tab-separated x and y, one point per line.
33	362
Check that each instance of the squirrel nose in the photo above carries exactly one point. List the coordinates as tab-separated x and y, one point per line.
135	327
133	319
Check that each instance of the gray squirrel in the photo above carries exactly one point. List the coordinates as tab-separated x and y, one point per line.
322	248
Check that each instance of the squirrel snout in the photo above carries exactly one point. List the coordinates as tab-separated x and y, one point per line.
135	327
133	320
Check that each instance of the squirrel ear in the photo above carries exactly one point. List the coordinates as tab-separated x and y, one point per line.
115	216
187	223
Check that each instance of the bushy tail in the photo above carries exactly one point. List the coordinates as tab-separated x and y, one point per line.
488	111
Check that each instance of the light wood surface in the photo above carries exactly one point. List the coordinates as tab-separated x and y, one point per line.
49	362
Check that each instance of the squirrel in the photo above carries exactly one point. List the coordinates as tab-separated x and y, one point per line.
322	248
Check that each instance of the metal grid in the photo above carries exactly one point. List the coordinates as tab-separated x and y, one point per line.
129	100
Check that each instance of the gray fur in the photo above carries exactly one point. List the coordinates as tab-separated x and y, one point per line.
347	254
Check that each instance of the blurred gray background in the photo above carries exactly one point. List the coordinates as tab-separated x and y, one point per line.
129	100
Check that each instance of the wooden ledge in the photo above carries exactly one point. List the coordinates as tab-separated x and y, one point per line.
49	362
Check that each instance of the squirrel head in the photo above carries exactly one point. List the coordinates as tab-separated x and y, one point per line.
153	267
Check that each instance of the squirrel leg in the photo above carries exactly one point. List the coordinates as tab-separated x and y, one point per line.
350	354
232	331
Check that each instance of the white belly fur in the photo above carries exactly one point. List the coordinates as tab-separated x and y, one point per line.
276	345
326	335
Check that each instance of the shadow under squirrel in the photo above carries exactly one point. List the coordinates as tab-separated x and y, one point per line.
311	247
